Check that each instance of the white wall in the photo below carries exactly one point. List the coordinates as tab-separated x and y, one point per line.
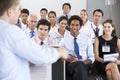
34	6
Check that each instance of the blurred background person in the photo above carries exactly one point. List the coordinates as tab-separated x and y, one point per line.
85	28
61	31
52	17
66	7
43	13
96	26
22	21
31	26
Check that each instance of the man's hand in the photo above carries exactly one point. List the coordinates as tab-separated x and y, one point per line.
62	52
71	59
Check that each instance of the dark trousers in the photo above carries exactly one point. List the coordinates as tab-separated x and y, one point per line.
77	71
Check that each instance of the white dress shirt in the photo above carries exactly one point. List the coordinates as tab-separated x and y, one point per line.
84	43
85	29
88	29
23	26
53	29
48	41
58	36
100	27
42	72
16	49
63	15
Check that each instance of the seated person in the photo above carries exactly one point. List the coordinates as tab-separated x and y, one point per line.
108	43
43	39
31	31
61	31
52	19
80	50
22	21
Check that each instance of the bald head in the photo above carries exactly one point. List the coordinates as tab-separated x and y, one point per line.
32	21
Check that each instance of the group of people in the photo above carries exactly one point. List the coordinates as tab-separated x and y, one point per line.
81	42
16	49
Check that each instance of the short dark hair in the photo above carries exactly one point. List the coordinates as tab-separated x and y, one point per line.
25	11
75	17
98	10
66	4
43	22
52	12
111	22
62	18
6	4
44	9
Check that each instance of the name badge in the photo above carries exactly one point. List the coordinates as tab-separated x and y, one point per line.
105	48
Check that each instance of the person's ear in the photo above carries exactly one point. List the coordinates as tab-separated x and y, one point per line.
9	12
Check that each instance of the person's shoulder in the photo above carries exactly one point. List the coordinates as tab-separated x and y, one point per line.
34	38
50	37
13	28
117	38
100	26
89	22
67	37
83	36
67	32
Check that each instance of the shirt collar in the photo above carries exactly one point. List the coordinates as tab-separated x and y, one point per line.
73	36
55	26
28	30
93	25
39	41
66	14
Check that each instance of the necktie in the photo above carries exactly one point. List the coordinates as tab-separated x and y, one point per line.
66	16
41	43
96	32
76	49
32	33
67	27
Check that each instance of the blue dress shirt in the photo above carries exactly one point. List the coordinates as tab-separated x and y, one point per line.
16	49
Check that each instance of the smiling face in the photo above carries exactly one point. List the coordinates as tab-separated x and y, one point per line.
52	18
62	24
107	29
74	27
84	16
